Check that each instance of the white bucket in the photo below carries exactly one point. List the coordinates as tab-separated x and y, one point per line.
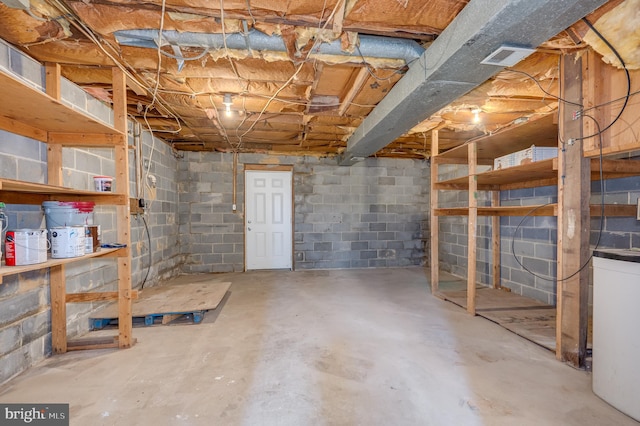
67	241
63	213
103	183
26	247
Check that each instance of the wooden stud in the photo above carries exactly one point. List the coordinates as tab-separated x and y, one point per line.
125	319
58	309
52	80
338	18
54	164
472	228
573	225
434	223
354	88
495	241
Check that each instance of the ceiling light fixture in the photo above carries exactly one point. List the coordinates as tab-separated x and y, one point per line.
227	103
476	115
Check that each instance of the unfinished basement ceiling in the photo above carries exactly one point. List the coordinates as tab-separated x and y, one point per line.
300	76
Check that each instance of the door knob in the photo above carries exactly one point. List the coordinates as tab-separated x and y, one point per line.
248	229
248	221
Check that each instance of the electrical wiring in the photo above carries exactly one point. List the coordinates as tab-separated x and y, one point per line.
74	20
184	58
153	99
146	227
250	13
372	74
529	213
535	80
292	78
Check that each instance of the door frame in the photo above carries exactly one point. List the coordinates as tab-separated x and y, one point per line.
268	168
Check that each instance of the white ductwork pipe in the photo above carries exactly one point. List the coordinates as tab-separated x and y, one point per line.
254	40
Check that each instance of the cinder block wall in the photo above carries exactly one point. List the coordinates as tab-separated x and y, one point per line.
373	214
25	318
534	243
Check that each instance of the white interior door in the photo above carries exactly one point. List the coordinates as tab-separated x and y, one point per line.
268	224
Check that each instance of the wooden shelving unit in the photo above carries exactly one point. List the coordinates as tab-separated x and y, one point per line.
482	151
42	116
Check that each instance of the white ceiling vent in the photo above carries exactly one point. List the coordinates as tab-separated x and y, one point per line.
507	56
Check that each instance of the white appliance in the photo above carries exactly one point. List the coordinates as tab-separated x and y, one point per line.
616	333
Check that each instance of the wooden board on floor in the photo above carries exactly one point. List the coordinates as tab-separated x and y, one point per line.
192	297
526	317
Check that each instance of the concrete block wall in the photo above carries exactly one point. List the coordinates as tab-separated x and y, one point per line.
25	325
373	214
211	233
452	231
533	239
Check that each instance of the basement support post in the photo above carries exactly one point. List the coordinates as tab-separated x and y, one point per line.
54	177
473	227
434	261
573	223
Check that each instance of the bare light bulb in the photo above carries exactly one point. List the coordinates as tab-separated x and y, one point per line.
476	115
227	104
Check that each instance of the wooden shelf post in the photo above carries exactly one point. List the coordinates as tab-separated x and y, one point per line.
573	224
472	228
434	225
123	220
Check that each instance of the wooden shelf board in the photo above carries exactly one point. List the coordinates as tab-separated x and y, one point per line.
617	149
613	169
542	131
548	210
539	173
539	170
524	176
18	192
18	104
12	270
621	210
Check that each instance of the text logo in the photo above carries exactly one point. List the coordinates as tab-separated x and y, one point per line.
34	414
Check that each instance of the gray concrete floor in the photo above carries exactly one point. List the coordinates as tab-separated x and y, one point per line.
358	347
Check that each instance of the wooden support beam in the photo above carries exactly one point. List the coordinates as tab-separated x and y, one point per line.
472	229
52	80
338	18
58	309
125	319
573	225
355	86
434	261
54	151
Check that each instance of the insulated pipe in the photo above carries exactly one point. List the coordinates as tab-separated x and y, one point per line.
369	46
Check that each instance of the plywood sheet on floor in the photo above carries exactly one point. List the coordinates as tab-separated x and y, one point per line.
526	317
174	297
